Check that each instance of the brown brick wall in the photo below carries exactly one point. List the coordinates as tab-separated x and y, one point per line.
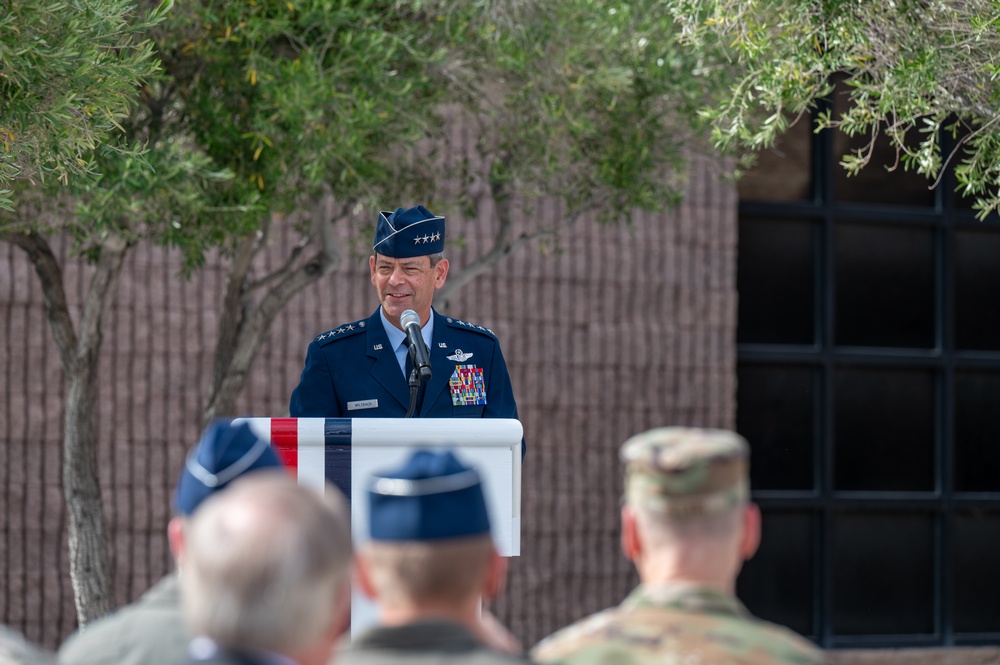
619	330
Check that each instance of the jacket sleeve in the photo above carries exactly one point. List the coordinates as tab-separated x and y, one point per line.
499	394
315	396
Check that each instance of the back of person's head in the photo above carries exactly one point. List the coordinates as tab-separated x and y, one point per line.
15	649
688	490
266	565
430	532
224	453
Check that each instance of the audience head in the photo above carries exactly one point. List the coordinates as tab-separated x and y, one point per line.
430	535
686	512
266	566
224	453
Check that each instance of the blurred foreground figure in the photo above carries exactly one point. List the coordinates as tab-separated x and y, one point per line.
151	630
265	574
688	526
16	650
428	565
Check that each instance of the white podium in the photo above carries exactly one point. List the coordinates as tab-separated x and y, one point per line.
346	451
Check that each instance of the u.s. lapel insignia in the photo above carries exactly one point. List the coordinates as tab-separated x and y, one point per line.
460	356
442	345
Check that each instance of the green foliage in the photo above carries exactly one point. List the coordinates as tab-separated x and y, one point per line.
590	101
69	72
292	97
226	114
915	71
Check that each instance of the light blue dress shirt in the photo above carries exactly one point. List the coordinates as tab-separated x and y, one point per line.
398	339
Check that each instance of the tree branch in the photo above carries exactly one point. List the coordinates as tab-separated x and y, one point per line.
50	275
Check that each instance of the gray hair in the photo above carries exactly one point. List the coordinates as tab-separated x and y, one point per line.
265	563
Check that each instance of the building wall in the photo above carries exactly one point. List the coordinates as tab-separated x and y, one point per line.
618	330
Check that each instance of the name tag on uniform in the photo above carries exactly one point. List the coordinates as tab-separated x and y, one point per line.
362	404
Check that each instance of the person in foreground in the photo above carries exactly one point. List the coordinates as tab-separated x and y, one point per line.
265	574
687	525
359	369
151	630
429	563
15	649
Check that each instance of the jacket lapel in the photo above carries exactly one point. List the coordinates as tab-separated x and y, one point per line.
385	369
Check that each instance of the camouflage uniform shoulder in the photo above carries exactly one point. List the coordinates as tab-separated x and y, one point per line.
341	332
466	325
635	634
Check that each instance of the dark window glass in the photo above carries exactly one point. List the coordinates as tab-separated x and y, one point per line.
885	286
883	573
776	415
883	179
977	299
782	173
775	277
777	583
883	429
977	432
977	573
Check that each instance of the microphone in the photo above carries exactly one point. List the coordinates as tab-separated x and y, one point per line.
410	321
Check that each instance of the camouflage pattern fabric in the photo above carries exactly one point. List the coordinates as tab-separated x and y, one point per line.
676	625
686	472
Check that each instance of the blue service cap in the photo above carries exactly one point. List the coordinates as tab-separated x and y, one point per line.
406	233
432	496
225	452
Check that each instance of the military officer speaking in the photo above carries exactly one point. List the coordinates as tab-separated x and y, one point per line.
360	369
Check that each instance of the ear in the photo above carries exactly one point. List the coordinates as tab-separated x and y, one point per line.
751	532
175	536
631	542
496	574
440	273
362	576
371	267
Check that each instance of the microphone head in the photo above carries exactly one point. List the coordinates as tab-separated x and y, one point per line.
409	317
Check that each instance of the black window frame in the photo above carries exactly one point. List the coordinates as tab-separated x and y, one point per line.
823	356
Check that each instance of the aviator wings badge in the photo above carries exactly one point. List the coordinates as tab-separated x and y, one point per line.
459	356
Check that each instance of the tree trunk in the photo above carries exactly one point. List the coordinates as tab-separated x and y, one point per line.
244	324
88	541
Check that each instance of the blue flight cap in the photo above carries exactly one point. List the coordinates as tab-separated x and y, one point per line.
224	453
432	496
407	233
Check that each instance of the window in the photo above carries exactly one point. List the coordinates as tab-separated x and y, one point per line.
869	371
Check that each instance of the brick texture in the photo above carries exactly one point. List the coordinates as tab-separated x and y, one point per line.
618	330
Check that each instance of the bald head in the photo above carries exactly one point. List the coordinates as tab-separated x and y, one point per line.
266	564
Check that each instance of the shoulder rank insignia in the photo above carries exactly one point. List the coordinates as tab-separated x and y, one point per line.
342	331
470	326
460	356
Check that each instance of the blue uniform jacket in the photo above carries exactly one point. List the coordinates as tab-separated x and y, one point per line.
352	372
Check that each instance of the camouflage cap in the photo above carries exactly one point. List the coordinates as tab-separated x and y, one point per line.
686	472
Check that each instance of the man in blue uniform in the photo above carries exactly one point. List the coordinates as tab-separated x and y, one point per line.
360	369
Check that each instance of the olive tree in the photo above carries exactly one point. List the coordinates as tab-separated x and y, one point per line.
916	71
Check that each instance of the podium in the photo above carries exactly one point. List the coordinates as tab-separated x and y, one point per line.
345	452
